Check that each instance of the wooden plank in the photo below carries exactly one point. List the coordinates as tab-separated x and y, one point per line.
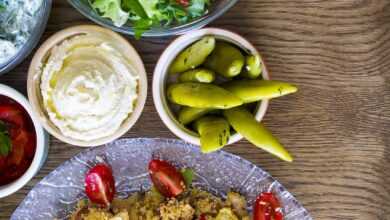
336	126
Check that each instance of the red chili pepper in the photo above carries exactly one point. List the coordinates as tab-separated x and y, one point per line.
267	207
166	178
184	3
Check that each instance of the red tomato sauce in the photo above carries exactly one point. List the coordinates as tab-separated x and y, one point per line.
23	140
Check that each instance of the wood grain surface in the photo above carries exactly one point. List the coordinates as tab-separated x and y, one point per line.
338	52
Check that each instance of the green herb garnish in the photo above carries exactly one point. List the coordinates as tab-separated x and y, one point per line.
188	176
5	140
2	6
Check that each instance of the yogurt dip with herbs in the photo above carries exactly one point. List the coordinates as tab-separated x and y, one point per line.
88	86
17	20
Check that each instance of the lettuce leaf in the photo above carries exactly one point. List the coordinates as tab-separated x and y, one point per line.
140	26
150	7
135	7
172	12
197	8
111	9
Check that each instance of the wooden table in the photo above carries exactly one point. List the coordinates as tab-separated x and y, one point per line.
338	52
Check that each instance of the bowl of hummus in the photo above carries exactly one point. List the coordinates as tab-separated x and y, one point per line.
87	85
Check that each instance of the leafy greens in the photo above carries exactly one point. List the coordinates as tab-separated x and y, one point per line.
111	9
145	14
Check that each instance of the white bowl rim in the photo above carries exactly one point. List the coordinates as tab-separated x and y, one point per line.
160	73
142	85
40	150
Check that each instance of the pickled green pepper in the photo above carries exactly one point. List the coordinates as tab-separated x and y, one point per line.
256	90
202	95
255	132
253	67
193	56
214	133
226	60
198	75
188	114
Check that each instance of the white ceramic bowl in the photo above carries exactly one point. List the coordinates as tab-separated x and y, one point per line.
41	146
34	81
160	79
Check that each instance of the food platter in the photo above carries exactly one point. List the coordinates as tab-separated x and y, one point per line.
56	196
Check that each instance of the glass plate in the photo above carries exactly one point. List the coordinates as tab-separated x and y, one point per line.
58	193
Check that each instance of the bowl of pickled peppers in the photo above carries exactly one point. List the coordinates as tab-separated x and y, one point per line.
211	88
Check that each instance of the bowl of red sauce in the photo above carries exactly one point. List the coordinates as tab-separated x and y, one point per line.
23	143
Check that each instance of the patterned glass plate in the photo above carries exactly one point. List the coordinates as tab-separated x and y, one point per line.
57	194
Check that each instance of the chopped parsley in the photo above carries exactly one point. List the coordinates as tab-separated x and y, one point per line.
2	6
5	140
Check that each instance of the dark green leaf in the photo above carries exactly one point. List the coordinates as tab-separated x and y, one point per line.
3	127
135	7
172	12
141	26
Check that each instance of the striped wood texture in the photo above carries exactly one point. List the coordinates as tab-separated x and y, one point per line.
338	52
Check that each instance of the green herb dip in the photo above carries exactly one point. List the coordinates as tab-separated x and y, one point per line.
17	21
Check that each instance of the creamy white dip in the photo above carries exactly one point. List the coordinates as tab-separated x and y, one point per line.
17	20
88	87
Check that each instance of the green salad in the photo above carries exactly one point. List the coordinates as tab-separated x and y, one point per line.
145	14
